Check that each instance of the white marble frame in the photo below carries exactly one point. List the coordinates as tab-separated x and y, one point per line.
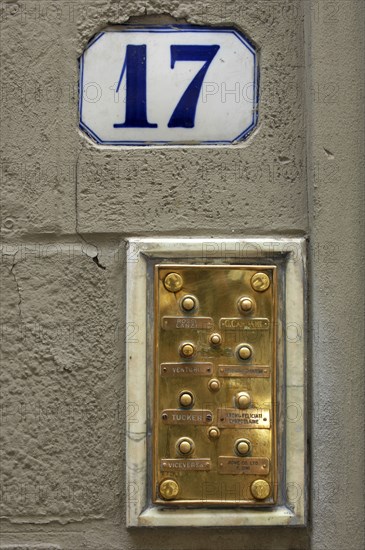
141	254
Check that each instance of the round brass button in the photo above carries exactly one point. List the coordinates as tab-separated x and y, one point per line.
215	339
245	304
173	282
243	400
186	399
260	489
187	350
169	489
188	303
214	432
185	446
242	446
244	352
260	282
214	384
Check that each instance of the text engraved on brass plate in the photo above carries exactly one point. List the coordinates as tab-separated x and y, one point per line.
186	369
247	418
229	323
238	465
240	371
185	464
198	417
179	322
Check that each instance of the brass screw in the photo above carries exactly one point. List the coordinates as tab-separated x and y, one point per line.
173	282
187	350
260	489
169	489
260	282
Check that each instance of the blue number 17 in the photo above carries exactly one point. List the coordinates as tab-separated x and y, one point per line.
134	68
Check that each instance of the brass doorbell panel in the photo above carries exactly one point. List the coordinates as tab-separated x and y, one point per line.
215	388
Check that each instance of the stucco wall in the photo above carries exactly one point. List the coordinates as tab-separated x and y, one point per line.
66	207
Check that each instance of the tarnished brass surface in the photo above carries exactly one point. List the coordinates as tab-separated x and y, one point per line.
237	303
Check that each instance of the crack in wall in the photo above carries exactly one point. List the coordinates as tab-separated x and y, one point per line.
13	275
51	519
94	257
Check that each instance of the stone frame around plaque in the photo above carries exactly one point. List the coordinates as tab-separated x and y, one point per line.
141	256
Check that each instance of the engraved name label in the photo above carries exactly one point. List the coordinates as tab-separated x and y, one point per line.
196	416
239	371
184	369
244	324
182	464
247	465
248	418
197	323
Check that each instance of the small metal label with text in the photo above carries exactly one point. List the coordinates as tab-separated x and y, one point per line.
178	416
229	323
247	418
243	465
240	371
198	323
185	464
186	369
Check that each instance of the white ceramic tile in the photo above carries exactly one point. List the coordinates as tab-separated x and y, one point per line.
180	84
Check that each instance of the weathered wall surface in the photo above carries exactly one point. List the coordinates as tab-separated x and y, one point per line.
336	206
66	207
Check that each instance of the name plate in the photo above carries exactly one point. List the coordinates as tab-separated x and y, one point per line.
247	418
185	465
198	417
232	323
198	323
186	369
240	371
244	465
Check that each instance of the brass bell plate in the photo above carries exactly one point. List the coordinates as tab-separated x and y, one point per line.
213	474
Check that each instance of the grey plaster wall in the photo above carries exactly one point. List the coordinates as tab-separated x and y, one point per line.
66	208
